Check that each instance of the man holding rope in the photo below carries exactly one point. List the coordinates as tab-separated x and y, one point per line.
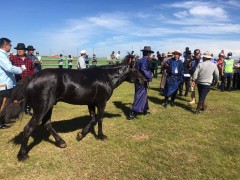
7	71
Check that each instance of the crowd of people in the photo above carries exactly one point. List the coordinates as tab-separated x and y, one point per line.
194	70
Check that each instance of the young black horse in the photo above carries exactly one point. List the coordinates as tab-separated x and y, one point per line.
92	87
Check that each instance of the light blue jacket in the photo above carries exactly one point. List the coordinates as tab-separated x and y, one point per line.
7	71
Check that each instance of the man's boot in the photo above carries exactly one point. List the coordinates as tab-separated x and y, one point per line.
200	103
192	102
132	115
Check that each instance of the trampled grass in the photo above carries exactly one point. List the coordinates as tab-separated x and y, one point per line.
170	143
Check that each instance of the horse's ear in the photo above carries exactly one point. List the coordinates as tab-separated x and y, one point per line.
129	60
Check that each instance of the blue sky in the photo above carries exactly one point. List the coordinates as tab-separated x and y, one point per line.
69	26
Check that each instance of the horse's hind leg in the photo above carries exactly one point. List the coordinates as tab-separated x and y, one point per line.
23	153
46	122
90	126
101	108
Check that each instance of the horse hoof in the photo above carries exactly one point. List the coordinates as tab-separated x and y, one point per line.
62	144
103	138
79	136
22	157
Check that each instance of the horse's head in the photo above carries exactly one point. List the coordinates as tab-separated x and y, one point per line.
134	75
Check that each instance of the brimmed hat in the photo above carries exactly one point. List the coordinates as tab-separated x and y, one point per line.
30	48
177	51
83	52
207	55
148	49
20	46
169	53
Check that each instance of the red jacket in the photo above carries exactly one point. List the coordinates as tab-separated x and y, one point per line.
17	61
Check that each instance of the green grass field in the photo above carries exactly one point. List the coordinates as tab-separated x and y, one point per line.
171	143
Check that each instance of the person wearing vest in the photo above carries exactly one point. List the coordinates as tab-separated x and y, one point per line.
203	77
140	103
175	75
227	72
7	71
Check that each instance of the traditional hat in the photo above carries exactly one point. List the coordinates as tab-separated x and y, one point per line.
169	53
30	48
83	52
177	51
20	46
207	55
148	49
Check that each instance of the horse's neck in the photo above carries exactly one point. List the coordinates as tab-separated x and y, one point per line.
119	75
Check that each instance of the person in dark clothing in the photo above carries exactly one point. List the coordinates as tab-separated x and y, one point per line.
140	103
175	73
187	76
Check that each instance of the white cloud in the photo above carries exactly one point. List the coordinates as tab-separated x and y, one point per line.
204	11
181	14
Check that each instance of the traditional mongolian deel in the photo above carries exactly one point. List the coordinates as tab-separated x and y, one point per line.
175	75
140	103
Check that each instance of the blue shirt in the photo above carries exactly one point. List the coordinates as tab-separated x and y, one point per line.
7	71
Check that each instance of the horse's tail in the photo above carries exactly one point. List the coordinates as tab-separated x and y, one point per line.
14	103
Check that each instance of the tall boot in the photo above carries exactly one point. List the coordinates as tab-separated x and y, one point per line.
199	107
204	106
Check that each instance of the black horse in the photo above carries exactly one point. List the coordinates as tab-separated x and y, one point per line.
92	87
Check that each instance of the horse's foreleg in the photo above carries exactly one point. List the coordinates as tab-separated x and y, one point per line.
90	126
46	122
23	153
101	109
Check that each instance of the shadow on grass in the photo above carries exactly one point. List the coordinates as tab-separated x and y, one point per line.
182	105
155	89
123	107
63	126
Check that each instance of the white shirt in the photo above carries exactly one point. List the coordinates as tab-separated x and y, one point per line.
118	56
81	63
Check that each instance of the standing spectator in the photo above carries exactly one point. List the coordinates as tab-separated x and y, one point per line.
237	71
187	76
94	61
159	57
81	60
118	56
21	60
112	57
7	71
40	67
34	59
164	71
60	61
175	73
220	66
193	64
140	104
187	54
153	63
70	62
227	72
235	75
203	77
187	57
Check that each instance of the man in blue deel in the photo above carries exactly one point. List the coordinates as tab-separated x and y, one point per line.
175	74
140	103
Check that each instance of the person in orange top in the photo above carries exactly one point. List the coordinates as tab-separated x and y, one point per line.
220	60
